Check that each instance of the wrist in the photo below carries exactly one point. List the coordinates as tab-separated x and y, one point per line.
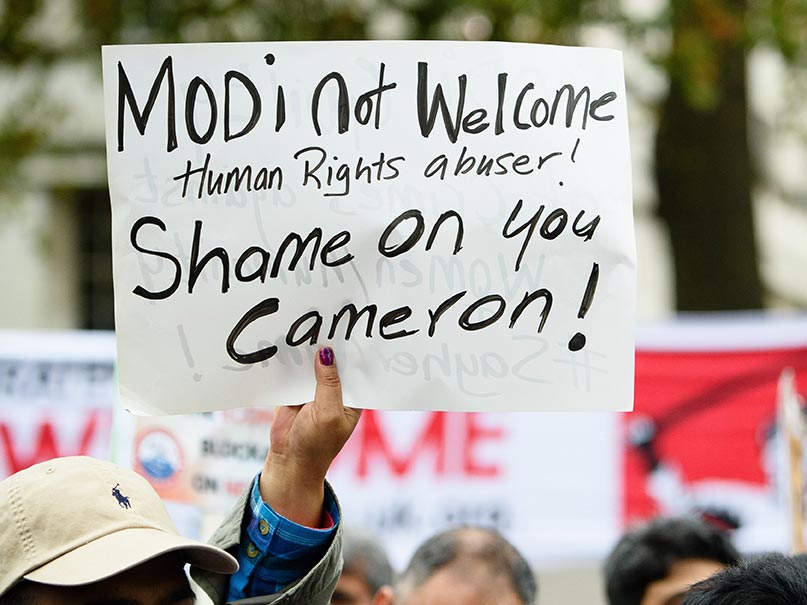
296	493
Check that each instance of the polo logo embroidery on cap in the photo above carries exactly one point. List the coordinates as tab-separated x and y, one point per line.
123	501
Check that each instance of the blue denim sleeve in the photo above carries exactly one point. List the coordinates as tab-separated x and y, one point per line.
274	552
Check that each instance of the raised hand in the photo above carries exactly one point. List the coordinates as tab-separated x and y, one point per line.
305	439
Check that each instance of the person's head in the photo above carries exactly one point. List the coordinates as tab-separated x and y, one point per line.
466	566
76	530
656	563
367	575
772	579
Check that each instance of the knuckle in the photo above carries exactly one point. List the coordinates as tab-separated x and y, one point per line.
330	380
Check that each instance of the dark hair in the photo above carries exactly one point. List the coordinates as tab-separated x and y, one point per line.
771	579
646	554
19	594
493	549
363	555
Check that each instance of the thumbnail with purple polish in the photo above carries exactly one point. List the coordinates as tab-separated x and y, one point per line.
326	356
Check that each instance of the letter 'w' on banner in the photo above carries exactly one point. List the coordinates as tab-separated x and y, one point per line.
454	219
793	429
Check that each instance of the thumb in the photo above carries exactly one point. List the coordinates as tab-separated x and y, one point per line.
328	394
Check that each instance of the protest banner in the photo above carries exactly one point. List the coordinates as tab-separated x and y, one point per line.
454	219
704	436
204	459
56	396
792	431
549	482
562	487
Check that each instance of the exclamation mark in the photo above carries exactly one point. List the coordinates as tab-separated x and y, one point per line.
187	350
578	341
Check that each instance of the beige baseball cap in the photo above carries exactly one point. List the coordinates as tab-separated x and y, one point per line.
77	520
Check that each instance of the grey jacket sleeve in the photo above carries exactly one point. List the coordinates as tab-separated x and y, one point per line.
314	588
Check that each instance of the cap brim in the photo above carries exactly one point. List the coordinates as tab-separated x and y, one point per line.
117	552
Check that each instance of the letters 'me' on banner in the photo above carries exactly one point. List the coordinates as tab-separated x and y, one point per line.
454	219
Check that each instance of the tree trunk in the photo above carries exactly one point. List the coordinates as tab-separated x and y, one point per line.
704	175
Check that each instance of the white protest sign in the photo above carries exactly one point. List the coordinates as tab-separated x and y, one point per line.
454	219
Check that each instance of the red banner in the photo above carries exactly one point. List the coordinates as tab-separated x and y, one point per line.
703	436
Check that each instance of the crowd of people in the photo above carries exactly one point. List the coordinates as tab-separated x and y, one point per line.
81	531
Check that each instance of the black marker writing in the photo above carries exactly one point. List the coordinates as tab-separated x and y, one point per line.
578	341
562	110
367	105
292	249
368	320
552	226
199	91
336	177
417	231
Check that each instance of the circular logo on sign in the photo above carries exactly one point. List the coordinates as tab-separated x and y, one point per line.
159	454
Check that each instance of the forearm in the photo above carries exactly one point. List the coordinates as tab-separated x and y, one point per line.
296	494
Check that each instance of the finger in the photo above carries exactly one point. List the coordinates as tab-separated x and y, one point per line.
328	394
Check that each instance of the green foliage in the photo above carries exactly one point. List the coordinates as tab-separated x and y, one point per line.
15	46
23	129
781	24
698	29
